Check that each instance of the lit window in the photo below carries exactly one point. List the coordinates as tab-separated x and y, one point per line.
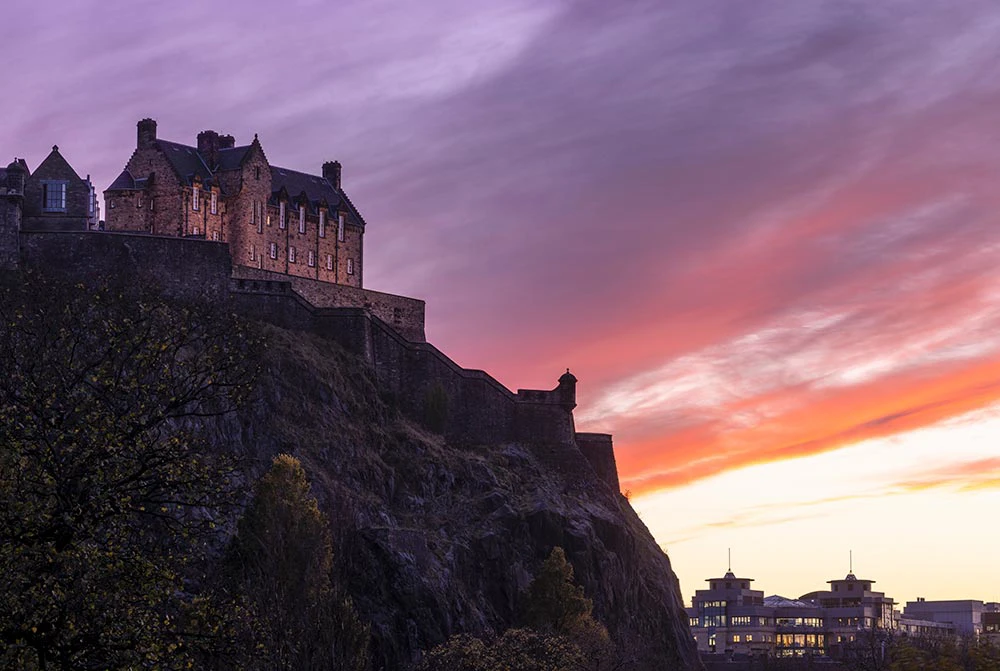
291	255
312	258
302	219
194	198
329	261
340	227
322	224
273	251
215	203
736	638
350	266
749	638
281	215
54	196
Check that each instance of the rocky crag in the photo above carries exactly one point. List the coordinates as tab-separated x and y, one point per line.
437	536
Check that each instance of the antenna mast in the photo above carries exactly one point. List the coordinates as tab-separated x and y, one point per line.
729	551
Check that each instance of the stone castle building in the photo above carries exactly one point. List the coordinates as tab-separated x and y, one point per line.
274	219
217	222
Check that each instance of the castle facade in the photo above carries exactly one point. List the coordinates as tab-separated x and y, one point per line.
273	219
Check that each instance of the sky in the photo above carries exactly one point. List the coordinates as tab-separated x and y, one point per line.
763	235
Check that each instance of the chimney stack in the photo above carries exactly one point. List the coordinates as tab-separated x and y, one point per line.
227	142
331	173
208	147
146	135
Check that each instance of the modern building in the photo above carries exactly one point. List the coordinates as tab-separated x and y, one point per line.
965	615
731	618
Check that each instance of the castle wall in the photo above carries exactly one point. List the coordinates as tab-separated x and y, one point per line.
180	268
599	451
10	224
406	315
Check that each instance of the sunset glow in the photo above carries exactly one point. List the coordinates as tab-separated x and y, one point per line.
764	236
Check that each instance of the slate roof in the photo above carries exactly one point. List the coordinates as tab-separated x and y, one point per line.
186	161
316	189
122	182
230	159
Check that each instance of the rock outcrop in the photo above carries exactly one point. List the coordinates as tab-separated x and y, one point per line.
435	538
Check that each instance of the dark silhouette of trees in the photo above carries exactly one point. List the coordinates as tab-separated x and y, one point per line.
559	633
281	560
108	500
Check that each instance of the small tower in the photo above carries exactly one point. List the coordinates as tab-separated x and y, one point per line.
11	200
331	173
567	390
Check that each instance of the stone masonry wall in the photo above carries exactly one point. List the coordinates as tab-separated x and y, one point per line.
181	268
600	452
159	208
406	315
10	224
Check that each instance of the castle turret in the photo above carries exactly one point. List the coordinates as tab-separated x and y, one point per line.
146	133
567	389
331	173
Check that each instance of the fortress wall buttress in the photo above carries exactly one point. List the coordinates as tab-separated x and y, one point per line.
599	450
405	315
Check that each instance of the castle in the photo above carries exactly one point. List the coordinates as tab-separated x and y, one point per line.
218	223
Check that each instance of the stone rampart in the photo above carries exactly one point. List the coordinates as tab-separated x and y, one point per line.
600	452
406	315
178	267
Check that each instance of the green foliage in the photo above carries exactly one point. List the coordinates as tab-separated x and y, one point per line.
520	649
436	408
943	654
553	603
281	559
107	498
560	633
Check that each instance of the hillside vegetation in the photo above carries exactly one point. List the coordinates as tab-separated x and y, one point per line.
133	506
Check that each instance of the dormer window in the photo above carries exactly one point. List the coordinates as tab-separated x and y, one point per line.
194	198
53	196
302	219
215	203
281	215
322	223
340	227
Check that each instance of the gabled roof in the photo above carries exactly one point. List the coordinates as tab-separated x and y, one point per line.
316	188
186	162
123	182
232	158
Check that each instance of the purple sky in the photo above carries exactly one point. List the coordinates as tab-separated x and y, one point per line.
755	230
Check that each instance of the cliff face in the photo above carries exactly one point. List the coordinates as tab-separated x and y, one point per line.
436	538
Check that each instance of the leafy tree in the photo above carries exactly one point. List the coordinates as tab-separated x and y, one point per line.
282	558
553	603
521	649
108	500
